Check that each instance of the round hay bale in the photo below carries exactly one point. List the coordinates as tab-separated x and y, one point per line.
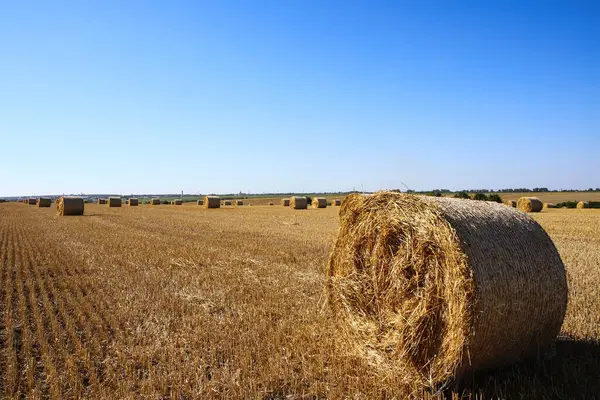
583	204
530	204
319	202
431	289
44	202
285	202
298	203
336	202
32	202
511	203
200	202
549	205
133	202
155	202
239	202
270	203
177	202
212	202
101	201
227	203
69	205
114	202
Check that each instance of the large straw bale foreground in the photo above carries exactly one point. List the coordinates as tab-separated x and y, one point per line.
298	202
212	202
430	289
68	205
530	204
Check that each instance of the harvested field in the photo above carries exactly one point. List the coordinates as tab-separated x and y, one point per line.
142	303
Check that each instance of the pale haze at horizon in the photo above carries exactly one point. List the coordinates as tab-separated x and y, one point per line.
222	97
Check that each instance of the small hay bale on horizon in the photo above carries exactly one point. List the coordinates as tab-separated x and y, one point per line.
32	202
336	202
177	202
70	205
430	290
530	204
155	201
285	202
212	202
319	202
114	201
583	204
44	202
299	202
227	202
511	203
270	203
200	202
549	205
239	202
101	201
133	202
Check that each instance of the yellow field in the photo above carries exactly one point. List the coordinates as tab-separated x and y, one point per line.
185	302
555	197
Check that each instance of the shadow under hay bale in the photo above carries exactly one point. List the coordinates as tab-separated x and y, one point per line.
68	205
433	289
530	204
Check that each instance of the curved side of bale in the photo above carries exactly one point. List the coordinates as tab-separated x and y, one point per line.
299	203
68	205
530	204
583	204
285	202
114	202
511	203
212	202
200	202
44	202
319	202
431	289
155	202
239	202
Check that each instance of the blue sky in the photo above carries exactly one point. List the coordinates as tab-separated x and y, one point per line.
267	96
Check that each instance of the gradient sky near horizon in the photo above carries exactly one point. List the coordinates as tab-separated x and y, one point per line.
306	96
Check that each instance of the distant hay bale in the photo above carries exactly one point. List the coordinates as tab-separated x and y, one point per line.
298	202
69	205
177	202
285	202
44	202
530	204
549	205
200	202
239	203
336	202
432	289
270	203
101	201
583	204
212	202
319	202
155	202
227	203
133	202
114	202
32	202
511	203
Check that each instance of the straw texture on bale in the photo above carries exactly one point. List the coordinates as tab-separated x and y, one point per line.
239	203
200	202
285	202
298	202
319	202
212	202
530	204
431	289
511	203
583	204
336	202
133	202
68	205
155	202
44	202
177	202
227	203
114	202
549	205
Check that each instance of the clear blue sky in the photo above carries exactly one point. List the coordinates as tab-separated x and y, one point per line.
222	96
